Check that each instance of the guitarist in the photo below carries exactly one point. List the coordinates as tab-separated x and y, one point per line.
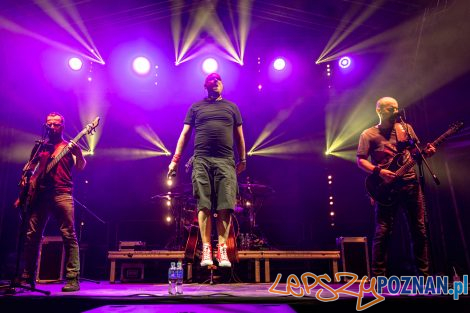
53	196
386	142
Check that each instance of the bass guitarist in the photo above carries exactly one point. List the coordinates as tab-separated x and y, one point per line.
50	193
389	144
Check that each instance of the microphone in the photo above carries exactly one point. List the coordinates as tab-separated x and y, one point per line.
172	174
399	115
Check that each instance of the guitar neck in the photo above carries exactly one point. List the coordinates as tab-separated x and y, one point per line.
410	163
63	152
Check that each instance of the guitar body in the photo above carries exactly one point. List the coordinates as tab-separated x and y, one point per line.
191	244
232	251
381	192
386	193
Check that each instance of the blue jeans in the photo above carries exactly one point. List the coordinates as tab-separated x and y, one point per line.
61	207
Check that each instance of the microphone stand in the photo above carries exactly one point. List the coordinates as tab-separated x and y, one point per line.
420	160
28	171
82	223
420	156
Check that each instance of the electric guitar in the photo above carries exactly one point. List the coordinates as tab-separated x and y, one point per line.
385	193
29	192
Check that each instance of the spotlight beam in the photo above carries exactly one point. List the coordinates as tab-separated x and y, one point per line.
289	149
148	134
244	11
129	153
197	23
269	129
341	32
13	27
71	9
56	16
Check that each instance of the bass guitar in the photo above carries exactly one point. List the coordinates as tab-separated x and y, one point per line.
29	192
386	193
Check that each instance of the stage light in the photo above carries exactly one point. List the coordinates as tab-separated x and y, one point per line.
209	65
168	219
141	65
169	182
75	64
260	87
344	62
279	64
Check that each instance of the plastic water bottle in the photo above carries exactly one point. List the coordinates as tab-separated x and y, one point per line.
179	278
172	279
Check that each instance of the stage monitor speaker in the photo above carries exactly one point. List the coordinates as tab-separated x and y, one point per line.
354	256
51	259
132	272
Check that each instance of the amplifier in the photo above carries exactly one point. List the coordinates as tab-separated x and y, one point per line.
51	259
354	256
131	245
132	272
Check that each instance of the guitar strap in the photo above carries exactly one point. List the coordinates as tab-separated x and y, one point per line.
400	133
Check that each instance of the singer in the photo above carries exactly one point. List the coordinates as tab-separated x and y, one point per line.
385	143
52	192
216	122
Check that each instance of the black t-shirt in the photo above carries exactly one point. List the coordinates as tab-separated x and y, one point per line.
382	145
214	123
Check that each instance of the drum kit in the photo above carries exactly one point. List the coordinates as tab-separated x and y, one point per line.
250	200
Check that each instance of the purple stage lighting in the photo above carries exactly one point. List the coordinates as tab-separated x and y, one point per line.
279	64
209	65
141	65
75	64
344	62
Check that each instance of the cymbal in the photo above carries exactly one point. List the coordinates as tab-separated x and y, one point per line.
171	195
256	188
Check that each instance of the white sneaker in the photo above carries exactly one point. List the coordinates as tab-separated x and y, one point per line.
222	256
206	255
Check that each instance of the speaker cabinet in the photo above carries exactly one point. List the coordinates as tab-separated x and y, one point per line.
51	259
354	256
132	272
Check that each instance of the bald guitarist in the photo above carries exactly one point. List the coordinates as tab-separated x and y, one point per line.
385	143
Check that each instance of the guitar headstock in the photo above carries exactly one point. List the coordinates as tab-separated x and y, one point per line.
90	128
456	126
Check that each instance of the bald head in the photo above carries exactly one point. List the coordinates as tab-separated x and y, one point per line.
386	102
386	107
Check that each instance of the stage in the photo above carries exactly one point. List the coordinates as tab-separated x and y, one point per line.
236	297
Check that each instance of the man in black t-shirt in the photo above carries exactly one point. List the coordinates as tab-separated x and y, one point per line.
54	197
382	143
216	122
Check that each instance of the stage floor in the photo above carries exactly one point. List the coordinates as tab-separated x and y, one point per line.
235	297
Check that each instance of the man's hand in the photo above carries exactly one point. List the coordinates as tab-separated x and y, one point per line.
241	166
75	149
429	150
387	176
172	168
